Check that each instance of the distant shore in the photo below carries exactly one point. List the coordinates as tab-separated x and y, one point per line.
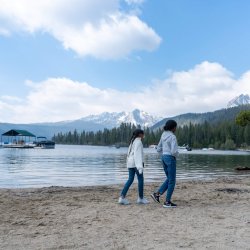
210	215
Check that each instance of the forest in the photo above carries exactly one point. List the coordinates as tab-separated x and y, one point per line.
222	135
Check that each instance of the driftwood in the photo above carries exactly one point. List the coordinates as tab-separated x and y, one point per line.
242	168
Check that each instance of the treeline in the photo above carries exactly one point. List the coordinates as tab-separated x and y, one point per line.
116	136
224	135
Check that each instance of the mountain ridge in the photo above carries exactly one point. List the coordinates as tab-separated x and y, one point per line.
226	114
114	119
239	100
88	123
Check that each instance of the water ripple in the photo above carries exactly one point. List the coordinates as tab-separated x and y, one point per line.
86	165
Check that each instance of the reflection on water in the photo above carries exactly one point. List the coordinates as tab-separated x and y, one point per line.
86	165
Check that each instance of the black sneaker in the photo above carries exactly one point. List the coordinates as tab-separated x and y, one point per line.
168	204
156	197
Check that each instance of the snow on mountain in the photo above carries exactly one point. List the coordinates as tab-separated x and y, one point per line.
136	117
239	100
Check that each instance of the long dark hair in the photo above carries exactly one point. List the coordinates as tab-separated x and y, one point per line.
136	134
170	125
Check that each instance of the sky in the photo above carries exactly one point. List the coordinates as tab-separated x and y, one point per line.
66	59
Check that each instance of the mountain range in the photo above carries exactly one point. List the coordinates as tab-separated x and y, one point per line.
136	117
111	120
227	114
89	123
234	106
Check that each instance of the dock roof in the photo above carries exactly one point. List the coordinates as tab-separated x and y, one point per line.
17	132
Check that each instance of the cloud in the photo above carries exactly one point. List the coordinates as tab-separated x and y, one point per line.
134	1
97	28
206	87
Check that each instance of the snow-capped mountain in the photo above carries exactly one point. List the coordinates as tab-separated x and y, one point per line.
136	117
89	123
239	100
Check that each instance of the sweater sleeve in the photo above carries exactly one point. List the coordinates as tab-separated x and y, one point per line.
159	146
174	147
138	155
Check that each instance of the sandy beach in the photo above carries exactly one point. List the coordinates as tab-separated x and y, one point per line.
210	215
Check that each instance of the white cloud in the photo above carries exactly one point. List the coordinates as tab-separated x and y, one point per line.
134	1
97	28
206	87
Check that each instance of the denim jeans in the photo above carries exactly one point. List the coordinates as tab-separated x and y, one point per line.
169	166
132	172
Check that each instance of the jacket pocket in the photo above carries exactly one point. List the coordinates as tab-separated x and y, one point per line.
130	161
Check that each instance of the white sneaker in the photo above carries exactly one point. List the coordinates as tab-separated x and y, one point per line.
142	201
123	201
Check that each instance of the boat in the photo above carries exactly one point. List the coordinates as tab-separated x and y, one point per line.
115	146
205	149
44	143
185	148
24	146
242	168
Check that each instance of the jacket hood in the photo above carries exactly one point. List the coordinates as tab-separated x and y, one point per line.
167	135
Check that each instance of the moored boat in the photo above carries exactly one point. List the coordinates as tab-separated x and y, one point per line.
44	143
242	168
185	148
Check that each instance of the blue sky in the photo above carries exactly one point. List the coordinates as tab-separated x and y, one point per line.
143	47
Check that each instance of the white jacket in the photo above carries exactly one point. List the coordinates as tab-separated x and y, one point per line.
135	155
168	144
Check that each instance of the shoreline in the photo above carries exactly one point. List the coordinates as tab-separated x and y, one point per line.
241	175
211	214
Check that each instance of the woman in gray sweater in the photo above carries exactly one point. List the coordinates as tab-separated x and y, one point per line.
169	148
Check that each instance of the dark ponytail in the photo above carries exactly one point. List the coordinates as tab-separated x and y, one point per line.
136	134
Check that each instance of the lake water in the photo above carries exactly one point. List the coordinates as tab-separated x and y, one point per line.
88	165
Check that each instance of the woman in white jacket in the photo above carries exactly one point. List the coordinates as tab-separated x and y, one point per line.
135	166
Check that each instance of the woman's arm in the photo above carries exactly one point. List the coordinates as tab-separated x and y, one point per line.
138	155
174	147
159	146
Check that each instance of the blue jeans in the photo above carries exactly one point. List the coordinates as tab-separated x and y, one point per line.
169	166
132	172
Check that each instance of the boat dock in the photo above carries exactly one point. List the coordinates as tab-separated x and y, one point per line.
23	139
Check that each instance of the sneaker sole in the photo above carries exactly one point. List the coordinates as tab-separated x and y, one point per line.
141	203
152	196
169	206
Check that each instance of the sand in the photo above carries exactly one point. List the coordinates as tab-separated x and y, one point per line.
210	215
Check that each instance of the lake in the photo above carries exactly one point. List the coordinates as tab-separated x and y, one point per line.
91	165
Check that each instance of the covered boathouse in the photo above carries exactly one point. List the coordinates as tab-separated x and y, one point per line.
15	138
